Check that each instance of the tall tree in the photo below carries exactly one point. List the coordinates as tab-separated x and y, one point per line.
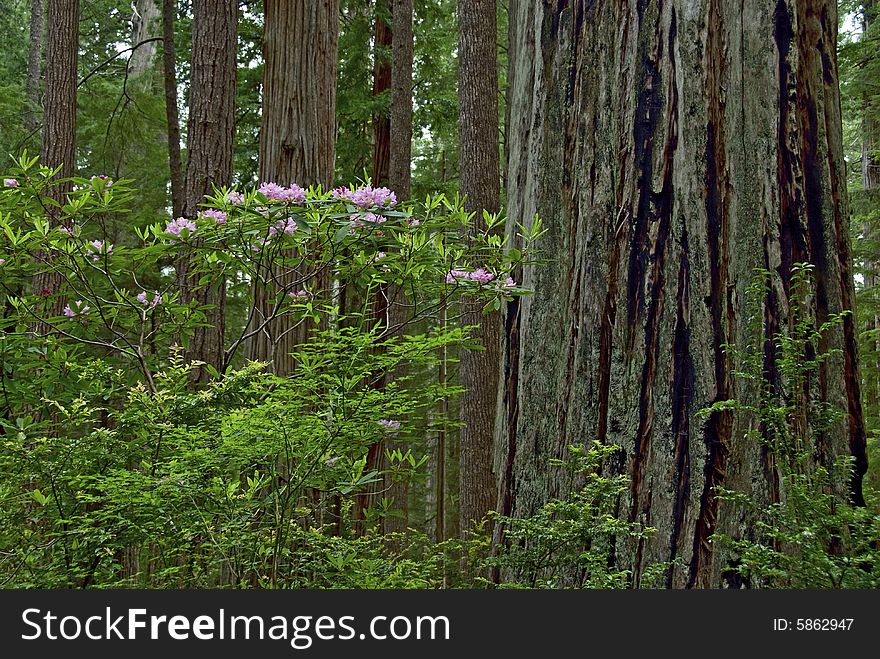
59	117
35	54
297	136
400	155
144	25
663	177
399	180
172	115
381	85
480	185
209	147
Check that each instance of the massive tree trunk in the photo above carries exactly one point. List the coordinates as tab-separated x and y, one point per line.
209	146
670	148
297	136
35	53
480	184
59	121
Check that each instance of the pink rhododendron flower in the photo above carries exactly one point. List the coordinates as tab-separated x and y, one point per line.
79	309
453	275
481	276
234	197
389	424
176	226
10	183
367	197
143	298
287	226
218	216
298	296
274	192
99	248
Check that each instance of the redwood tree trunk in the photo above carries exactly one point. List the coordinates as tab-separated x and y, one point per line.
297	135
399	175
399	179
670	148
144	22
35	53
59	120
172	116
480	183
210	145
381	85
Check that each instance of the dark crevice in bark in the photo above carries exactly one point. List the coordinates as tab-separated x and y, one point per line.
792	242
659	207
717	431
682	397
510	382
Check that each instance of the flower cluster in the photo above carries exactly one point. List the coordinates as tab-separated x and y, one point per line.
367	219
218	216
235	197
287	227
176	226
274	192
80	308
103	178
143	298
389	424
481	276
99	248
10	183
367	197
298	297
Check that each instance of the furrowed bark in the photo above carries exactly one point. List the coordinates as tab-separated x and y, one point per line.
297	136
670	147
210	145
480	184
59	127
35	53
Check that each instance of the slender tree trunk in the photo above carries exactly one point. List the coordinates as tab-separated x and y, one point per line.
400	175
381	85
210	145
59	123
670	148
172	117
144	21
480	184
297	136
35	54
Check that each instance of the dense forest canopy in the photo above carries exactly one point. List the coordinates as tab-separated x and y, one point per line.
428	294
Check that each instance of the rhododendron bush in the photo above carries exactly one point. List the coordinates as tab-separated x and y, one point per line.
120	468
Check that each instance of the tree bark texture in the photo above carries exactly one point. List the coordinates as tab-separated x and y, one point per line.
381	85
210	145
172	115
670	148
399	174
35	54
480	184
297	138
59	121
144	25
